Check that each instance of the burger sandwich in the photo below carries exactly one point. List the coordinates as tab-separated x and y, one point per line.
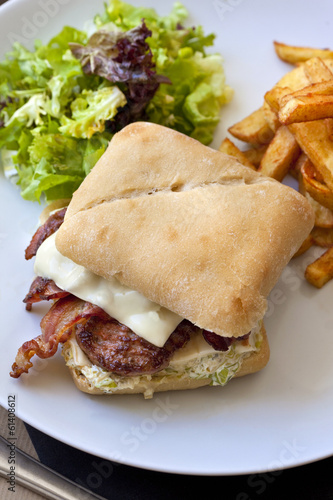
160	267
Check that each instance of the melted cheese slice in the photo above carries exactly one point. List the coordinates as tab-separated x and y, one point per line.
144	317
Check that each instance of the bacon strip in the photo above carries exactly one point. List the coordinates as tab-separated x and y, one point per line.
57	326
43	289
221	343
49	227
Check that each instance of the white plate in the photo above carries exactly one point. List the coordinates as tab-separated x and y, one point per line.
280	417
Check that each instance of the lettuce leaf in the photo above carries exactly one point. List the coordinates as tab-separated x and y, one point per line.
56	164
126	58
192	103
91	110
61	102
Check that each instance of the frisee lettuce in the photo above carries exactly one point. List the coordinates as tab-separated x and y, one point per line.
61	103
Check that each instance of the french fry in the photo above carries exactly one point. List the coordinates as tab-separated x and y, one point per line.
319	236
306	108
253	129
295	168
280	96
314	185
295	79
255	154
308	170
274	96
228	147
271	117
324	88
307	243
313	102
292	133
280	154
323	216
320	272
294	54
323	237
314	139
329	128
317	71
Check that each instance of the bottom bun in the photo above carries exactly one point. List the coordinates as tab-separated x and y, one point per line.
251	363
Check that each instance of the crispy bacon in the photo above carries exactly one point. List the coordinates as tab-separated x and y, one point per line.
221	343
43	289
49	227
57	327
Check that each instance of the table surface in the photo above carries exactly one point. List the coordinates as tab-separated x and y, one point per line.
115	481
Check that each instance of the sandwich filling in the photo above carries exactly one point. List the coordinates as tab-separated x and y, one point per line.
197	360
115	337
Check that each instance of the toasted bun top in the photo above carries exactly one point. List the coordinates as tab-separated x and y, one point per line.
187	226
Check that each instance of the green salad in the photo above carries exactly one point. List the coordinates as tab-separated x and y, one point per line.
61	103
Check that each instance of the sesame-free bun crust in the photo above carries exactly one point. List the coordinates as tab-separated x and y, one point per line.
187	226
251	364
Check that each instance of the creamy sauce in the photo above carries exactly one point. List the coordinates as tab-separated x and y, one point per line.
146	318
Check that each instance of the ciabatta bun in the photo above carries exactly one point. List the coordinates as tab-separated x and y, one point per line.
187	226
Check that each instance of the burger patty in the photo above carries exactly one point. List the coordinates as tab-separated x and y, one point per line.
114	347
